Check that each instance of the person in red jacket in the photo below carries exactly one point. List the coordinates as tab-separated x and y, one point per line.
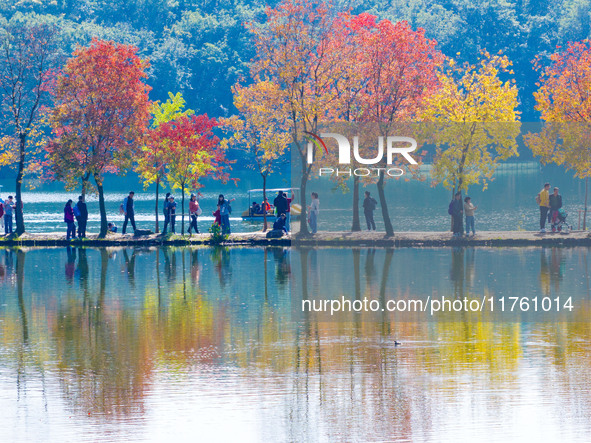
69	220
217	218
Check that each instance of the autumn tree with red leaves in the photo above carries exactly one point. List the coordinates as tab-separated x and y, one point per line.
191	152
27	58
100	115
400	67
343	68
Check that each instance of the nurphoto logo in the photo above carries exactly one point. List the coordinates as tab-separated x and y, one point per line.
390	146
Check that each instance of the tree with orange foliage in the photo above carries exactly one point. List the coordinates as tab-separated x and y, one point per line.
262	130
564	101
100	115
293	51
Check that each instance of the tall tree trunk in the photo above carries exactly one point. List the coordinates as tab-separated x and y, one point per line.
303	216
356	223
384	205
264	197
20	223
85	178
585	212
183	209
157	229
102	210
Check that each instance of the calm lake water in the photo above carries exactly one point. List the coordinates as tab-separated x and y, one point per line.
208	345
507	204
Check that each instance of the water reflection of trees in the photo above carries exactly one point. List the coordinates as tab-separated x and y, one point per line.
335	374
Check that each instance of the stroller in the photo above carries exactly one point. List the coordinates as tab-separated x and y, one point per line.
559	222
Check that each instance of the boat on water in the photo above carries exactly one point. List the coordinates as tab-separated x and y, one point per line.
251	215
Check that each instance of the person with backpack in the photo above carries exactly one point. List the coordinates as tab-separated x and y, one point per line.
129	212
369	205
81	214
69	220
543	201
225	211
456	210
194	212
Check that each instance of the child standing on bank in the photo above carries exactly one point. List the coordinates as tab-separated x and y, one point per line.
469	209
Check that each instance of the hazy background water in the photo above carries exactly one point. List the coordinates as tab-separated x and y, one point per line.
207	344
507	204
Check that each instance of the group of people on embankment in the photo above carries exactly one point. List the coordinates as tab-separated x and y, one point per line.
550	208
461	210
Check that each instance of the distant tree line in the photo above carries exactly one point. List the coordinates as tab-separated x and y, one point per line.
201	48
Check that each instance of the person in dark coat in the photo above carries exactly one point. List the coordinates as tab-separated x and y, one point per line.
280	203
555	205
166	212
457	212
129	212
83	217
369	205
69	220
279	224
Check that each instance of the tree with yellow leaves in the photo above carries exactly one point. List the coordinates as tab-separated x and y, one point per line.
151	165
262	130
564	100
474	122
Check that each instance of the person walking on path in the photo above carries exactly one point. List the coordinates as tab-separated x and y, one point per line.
469	209
457	211
555	201
314	210
369	205
172	213
194	212
543	200
82	216
9	208
69	220
129	212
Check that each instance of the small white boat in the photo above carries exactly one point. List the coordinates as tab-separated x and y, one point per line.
248	215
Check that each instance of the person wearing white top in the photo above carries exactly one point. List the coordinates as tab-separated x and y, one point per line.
313	210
